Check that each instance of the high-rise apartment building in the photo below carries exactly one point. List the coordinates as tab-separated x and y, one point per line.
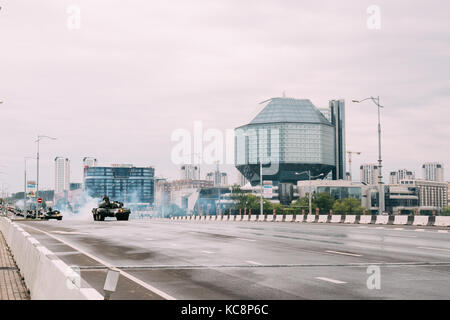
189	172
369	173
62	174
403	174
433	171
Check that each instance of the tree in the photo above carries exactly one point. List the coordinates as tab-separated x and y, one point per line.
244	200
324	201
303	203
445	211
347	206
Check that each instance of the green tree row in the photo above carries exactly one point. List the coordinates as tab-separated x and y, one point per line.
324	201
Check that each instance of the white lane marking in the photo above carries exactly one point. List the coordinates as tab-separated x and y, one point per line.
344	253
206	251
442	231
419	230
69	232
431	248
400	236
150	239
399	228
331	280
254	262
362	227
251	240
380	228
125	274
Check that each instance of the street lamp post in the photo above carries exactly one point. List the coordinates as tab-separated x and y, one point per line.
310	186
25	212
376	101
2	194
40	137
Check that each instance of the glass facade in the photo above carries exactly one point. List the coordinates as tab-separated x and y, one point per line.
341	192
287	136
126	184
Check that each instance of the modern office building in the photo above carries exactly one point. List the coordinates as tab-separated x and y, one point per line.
432	194
89	162
124	183
401	199
75	186
369	173
242	181
433	171
290	136
62	174
189	172
341	189
403	174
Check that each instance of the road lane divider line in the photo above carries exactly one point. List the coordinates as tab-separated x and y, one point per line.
254	262
419	230
331	280
206	251
431	248
442	231
251	240
125	274
344	253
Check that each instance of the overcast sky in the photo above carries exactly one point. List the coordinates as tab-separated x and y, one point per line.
117	87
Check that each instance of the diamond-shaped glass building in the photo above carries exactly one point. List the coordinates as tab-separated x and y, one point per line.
290	136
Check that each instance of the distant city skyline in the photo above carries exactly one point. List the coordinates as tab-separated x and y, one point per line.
117	87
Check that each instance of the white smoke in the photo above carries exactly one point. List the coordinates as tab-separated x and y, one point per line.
82	208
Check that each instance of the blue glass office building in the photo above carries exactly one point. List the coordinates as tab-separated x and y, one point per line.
123	183
291	136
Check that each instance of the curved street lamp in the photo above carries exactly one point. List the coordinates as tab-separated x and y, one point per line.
310	187
376	101
39	138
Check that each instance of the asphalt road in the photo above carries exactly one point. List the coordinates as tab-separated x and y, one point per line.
163	259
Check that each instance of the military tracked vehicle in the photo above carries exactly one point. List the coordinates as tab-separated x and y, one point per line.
113	209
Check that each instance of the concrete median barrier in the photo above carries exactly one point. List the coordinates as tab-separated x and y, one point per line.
401	220
269	218
323	218
350	218
420	220
299	218
365	219
381	220
254	217
289	218
311	218
442	221
261	217
46	276
279	218
336	218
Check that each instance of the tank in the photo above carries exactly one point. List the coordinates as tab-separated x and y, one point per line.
112	209
51	214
